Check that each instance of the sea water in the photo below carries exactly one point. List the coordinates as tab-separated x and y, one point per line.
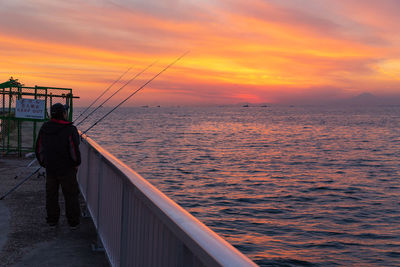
287	186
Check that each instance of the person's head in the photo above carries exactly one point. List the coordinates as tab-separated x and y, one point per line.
58	111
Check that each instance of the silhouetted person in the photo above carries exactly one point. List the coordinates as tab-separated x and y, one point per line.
57	149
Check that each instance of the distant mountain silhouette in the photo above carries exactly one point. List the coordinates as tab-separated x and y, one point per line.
364	99
368	99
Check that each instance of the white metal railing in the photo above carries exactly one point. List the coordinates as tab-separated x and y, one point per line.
140	226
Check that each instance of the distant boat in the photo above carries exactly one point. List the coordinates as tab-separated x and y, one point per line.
145	106
245	106
264	106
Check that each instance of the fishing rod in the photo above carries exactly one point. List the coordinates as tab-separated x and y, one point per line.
105	91
128	82
20	172
20	183
140	88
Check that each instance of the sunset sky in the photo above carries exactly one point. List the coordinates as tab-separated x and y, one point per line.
256	51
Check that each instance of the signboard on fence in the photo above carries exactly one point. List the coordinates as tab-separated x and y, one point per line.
30	109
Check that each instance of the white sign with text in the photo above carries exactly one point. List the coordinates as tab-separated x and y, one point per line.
30	109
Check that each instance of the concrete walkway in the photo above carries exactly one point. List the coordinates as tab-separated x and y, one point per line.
4	224
26	239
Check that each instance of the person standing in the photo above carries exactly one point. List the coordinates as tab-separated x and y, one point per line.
57	150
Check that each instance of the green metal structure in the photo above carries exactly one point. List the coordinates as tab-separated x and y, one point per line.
18	135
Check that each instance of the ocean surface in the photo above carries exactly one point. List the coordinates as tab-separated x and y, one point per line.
287	186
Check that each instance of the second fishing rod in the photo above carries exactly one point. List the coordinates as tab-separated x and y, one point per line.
122	87
105	91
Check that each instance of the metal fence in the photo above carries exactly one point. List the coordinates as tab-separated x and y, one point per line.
19	134
138	225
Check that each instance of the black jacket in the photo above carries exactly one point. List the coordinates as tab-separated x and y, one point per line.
57	147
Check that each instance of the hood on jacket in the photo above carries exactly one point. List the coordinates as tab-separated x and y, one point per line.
53	126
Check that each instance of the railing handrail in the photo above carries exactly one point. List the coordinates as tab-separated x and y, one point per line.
202	236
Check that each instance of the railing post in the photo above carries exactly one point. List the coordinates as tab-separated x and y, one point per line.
88	167
124	224
99	190
99	245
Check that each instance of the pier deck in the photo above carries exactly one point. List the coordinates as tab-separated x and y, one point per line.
25	238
